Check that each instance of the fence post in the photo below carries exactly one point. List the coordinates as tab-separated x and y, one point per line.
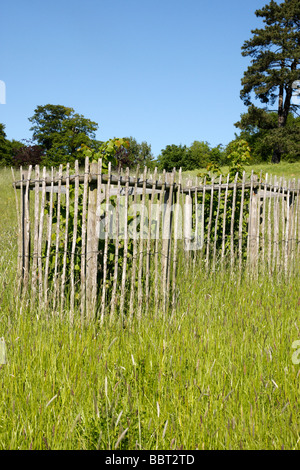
240	242
141	246
187	221
210	221
297	221
49	237
83	238
275	222
40	238
176	236
36	234
91	246
253	226
166	238
25	192
124	271
216	224
105	254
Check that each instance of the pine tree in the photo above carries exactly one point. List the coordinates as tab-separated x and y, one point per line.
274	69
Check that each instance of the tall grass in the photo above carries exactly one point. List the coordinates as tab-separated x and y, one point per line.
218	374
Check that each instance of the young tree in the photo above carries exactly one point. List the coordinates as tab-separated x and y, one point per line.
5	148
61	131
27	154
260	130
274	69
199	155
174	156
139	153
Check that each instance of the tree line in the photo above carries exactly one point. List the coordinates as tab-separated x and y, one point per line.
60	136
271	131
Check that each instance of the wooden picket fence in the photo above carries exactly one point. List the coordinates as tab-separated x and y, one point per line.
113	244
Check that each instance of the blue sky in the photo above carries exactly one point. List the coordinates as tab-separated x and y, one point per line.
163	71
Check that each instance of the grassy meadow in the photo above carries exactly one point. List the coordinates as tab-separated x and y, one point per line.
218	374
282	169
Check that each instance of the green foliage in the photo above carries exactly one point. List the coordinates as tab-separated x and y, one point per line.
61	131
216	375
27	154
274	67
198	155
173	156
5	148
238	155
260	129
107	152
139	154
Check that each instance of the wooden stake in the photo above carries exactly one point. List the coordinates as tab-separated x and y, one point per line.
40	237
56	262
203	219
275	223
157	235
241	222
74	240
263	225
167	230
49	241
210	221
232	222
83	239
141	246
64	267
116	264
92	244
176	236
270	227
282	253
36	235
134	254
124	271
19	219
287	230
224	219
150	215
216	224
107	222
26	232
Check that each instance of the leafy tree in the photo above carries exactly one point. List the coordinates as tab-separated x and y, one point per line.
61	131
199	155
217	155
145	155
27	154
275	53
174	156
128	152
139	153
108	152
5	148
260	129
238	155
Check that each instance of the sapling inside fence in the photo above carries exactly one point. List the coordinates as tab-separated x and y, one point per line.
112	244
